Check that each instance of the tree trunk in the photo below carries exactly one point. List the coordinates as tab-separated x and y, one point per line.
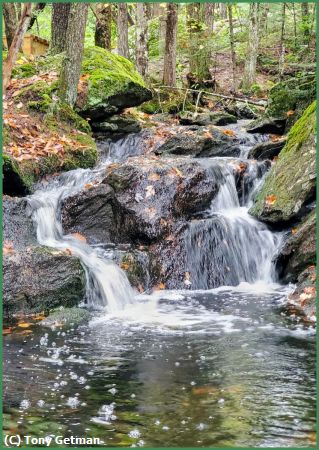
252	50
282	42
223	10
232	45
142	38
10	22
209	16
103	26
122	30
162	30
71	66
305	22
16	44
169	75
199	50
59	26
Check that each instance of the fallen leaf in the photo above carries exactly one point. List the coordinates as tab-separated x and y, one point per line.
8	248
229	132
79	236
7	330
271	199
294	230
124	266
290	113
88	185
24	324
159	287
154	177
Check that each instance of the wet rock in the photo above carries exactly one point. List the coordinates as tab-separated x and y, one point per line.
38	279
152	193
66	317
200	142
117	125
267	150
291	183
211	118
91	212
299	250
18	227
267	124
136	265
302	302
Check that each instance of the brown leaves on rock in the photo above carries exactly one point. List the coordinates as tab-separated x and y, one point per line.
8	248
79	237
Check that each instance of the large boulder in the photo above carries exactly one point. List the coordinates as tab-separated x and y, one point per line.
18	228
113	84
38	279
267	150
287	101
299	250
91	212
200	142
291	183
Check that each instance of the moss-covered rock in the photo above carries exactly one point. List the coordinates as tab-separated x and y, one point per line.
66	317
39	279
291	183
113	84
288	99
24	70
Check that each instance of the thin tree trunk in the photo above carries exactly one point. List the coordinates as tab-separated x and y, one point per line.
103	25
305	22
223	10
71	66
253	42
16	44
122	30
10	22
169	75
162	30
209	16
232	45
295	24
36	10
282	42
199	49
59	26
142	38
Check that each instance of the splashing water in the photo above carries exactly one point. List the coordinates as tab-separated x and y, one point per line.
106	284
230	246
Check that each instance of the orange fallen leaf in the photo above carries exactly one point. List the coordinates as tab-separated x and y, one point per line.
154	177
24	324
159	287
79	236
124	266
8	248
290	113
7	330
88	185
294	230
229	132
271	199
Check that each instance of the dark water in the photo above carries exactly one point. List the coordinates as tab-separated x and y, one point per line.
219	368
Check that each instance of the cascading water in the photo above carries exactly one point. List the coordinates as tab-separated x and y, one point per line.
230	246
107	285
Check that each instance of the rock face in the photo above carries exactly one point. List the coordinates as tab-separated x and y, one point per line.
299	250
91	212
267	124
38	279
291	183
117	125
113	85
200	142
206	118
267	150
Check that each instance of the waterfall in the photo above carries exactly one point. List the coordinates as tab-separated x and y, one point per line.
106	284
229	246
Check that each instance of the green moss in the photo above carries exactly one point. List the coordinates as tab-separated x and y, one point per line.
17	177
291	181
24	71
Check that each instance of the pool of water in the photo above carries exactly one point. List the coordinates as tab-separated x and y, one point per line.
220	368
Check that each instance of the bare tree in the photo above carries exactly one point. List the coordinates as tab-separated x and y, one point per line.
103	25
142	38
169	75
122	30
305	22
16	44
282	41
71	66
252	49
59	26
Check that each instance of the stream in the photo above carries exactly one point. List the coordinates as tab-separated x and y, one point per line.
215	365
